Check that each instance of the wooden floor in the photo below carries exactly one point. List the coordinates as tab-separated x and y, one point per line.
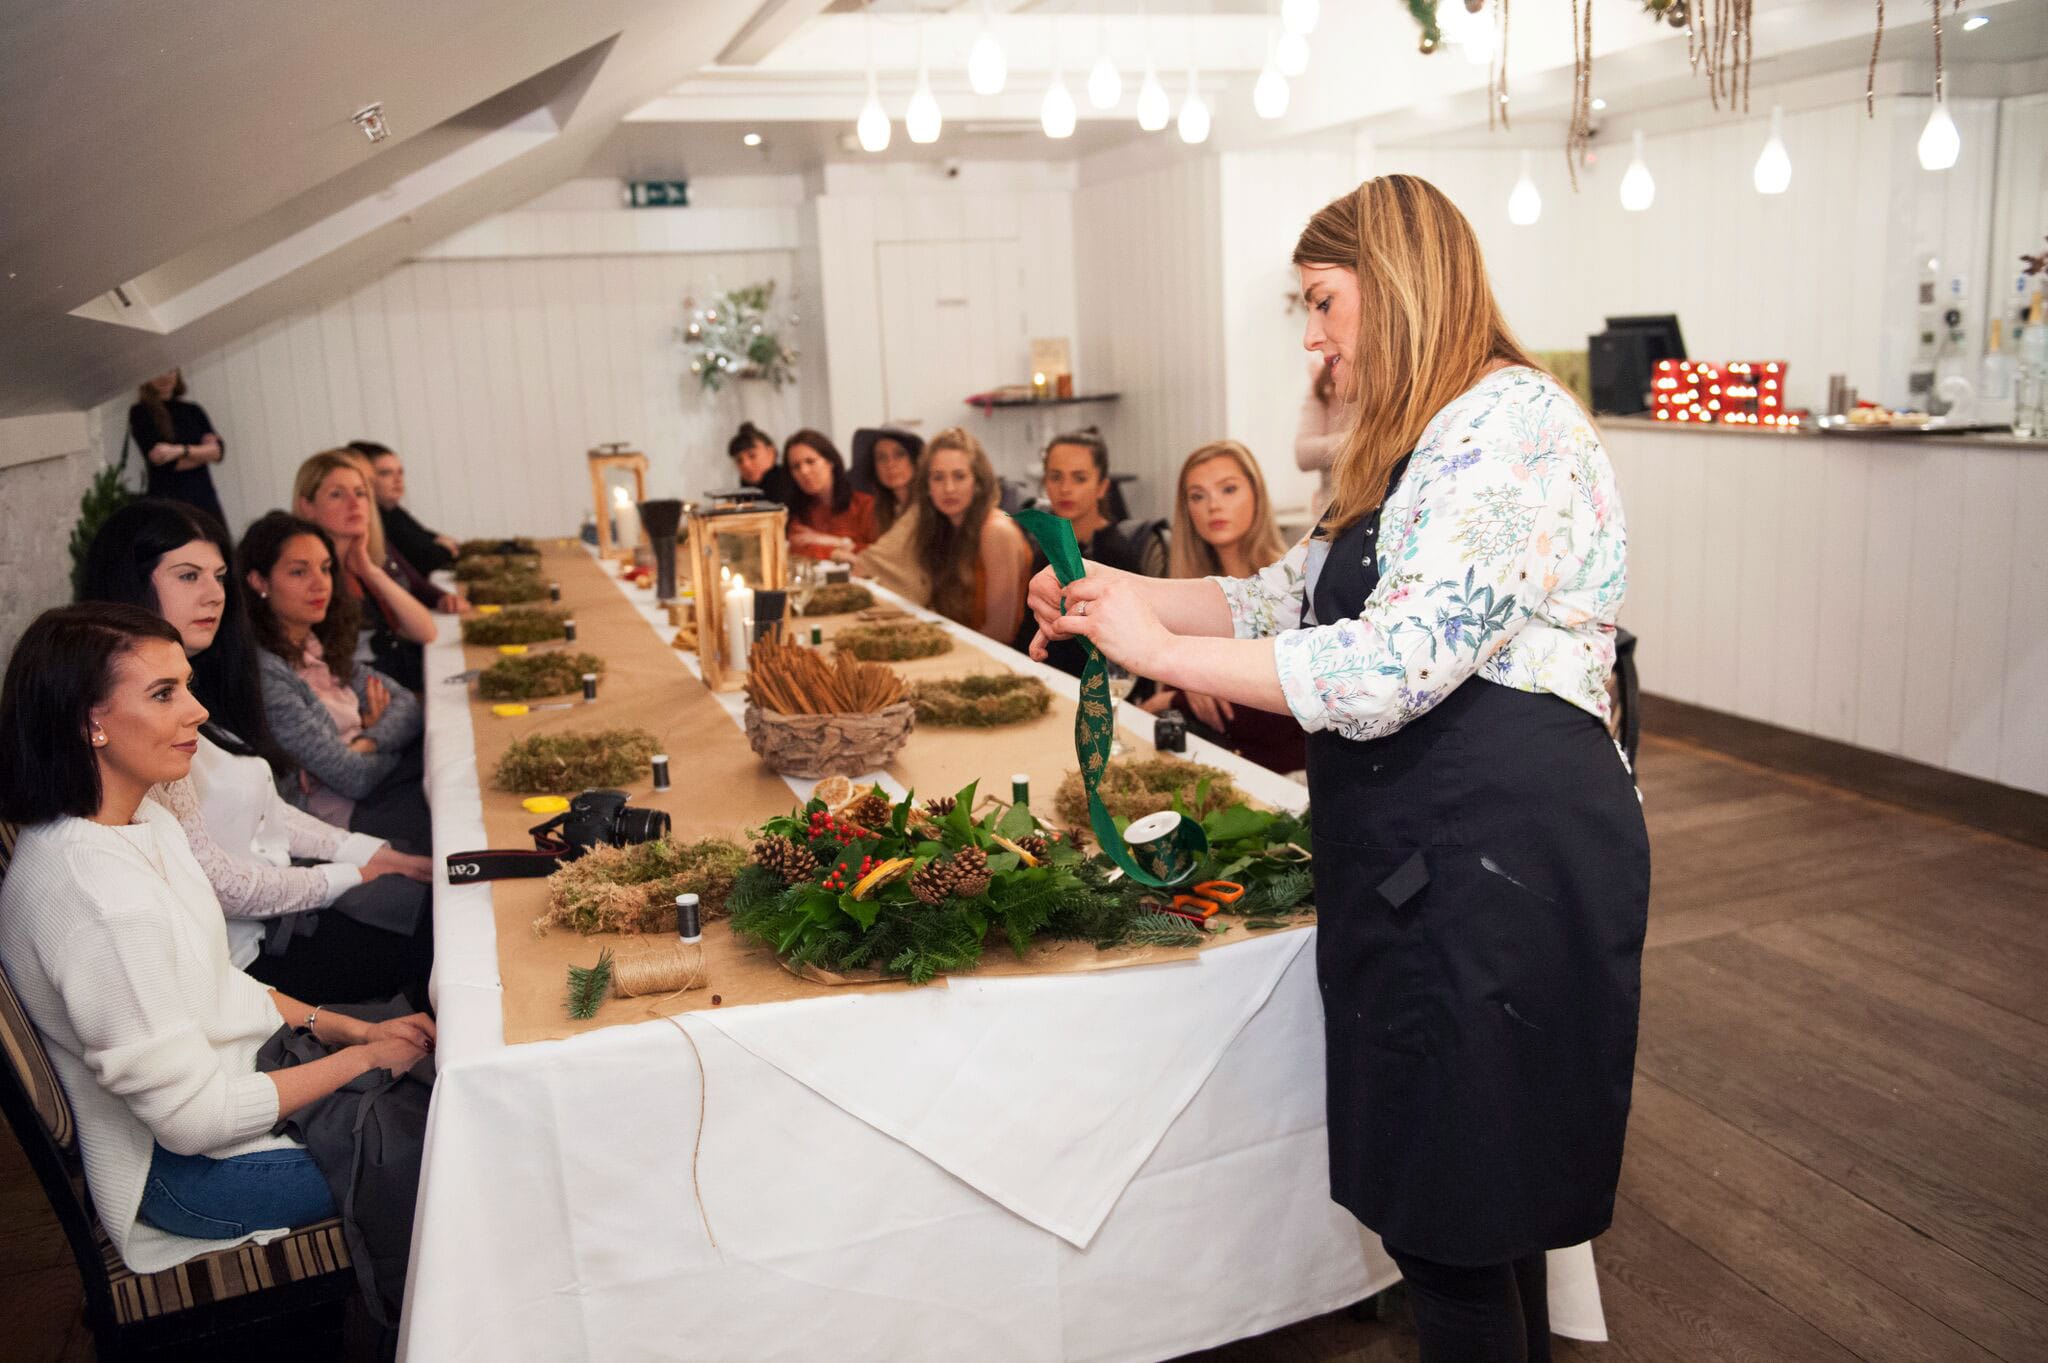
1839	1147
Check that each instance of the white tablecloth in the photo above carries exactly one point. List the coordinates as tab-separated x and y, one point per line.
1123	1165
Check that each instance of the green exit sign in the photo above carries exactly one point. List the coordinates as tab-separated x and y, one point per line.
657	193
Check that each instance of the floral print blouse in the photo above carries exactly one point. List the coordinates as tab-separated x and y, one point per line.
1502	553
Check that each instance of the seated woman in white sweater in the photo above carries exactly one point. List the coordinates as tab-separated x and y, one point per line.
173	559
112	938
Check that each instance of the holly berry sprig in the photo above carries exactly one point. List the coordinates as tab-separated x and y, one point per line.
824	825
837	877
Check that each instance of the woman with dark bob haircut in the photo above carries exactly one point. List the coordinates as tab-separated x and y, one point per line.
173	560
112	938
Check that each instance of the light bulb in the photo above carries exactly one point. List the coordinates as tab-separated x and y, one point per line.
1525	205
1638	190
1105	86
1270	95
1940	143
1300	16
1154	109
1479	41
1194	114
922	119
1290	54
873	128
1056	114
987	68
1773	164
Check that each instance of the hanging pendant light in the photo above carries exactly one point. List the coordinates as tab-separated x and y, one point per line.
1940	142
987	68
922	119
1105	82
1525	204
1270	96
1154	108
1290	54
1194	113
1774	165
1300	16
1638	190
873	126
1056	113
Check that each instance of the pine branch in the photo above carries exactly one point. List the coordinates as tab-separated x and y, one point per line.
588	986
1161	930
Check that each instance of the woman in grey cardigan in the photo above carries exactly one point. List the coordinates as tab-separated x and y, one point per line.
353	731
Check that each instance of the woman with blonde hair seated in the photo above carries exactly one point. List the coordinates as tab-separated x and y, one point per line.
973	558
1223	527
336	490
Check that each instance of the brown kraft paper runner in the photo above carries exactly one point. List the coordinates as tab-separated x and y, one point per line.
720	789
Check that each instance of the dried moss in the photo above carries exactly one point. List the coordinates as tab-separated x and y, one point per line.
514	627
981	701
893	643
1133	788
633	889
541	674
838	598
563	764
499	548
510	586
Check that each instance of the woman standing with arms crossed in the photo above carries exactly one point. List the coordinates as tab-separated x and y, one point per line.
1482	870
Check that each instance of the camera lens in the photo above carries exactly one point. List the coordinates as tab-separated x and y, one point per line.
641	825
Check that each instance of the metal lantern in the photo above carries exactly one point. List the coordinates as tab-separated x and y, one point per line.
606	460
734	552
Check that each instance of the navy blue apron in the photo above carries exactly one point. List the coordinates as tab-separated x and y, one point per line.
1482	884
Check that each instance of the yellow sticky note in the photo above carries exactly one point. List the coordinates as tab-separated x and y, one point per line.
509	710
544	804
488	610
512	650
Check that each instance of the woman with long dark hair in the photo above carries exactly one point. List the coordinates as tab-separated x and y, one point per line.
112	938
274	867
1482	870
828	519
177	441
1077	487
353	731
885	467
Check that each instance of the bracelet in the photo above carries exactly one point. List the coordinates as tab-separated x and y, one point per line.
311	1018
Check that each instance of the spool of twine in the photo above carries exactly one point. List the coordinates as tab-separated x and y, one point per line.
670	969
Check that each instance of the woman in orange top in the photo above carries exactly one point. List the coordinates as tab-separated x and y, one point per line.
827	518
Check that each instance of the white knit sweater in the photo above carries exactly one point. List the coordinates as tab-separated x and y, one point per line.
115	943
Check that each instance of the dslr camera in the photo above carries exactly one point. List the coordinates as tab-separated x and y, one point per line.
593	819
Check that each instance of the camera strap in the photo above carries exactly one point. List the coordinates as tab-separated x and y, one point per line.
548	852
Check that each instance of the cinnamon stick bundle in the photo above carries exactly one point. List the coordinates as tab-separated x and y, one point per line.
790	679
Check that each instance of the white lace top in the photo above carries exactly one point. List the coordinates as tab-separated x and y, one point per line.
244	836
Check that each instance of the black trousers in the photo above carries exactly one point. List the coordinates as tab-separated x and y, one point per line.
1496	1314
397	811
344	961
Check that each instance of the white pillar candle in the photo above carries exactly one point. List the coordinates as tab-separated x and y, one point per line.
626	517
739	622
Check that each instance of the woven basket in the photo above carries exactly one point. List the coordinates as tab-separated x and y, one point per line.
829	745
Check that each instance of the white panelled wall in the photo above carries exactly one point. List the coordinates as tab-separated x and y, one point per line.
497	359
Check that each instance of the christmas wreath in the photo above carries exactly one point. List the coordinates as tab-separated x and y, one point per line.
894	643
518	545
734	336
633	889
514	584
562	764
838	598
514	627
542	674
913	891
981	701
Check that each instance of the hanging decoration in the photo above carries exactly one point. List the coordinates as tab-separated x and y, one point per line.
737	336
1497	72
1580	136
1424	14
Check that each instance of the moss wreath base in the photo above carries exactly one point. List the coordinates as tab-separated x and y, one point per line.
1134	788
514	627
541	674
838	598
894	643
507	587
563	764
633	889
981	701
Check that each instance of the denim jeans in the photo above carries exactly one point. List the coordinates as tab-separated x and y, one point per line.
226	1199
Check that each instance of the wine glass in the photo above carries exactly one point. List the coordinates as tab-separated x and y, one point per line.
804	576
1121	680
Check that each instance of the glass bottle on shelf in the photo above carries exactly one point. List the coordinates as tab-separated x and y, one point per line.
2030	380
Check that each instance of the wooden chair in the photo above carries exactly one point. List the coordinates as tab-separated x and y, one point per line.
197	1302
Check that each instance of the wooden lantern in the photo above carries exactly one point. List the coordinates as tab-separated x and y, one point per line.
752	546
603	460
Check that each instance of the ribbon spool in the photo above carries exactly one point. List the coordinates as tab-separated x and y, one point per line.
1161	850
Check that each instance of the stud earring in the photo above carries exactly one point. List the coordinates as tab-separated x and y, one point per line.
99	737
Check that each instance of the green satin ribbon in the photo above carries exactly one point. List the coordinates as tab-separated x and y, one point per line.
1163	862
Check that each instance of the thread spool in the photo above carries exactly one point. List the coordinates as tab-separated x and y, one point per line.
670	969
660	761
569	631
554	591
817	637
590	686
1020	790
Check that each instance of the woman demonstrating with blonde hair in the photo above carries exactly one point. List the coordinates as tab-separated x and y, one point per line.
1223	527
1482	870
974	556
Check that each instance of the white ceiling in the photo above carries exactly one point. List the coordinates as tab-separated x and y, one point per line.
201	155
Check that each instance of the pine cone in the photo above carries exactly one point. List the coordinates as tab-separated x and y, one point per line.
969	869
939	806
793	863
1036	845
932	883
872	811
